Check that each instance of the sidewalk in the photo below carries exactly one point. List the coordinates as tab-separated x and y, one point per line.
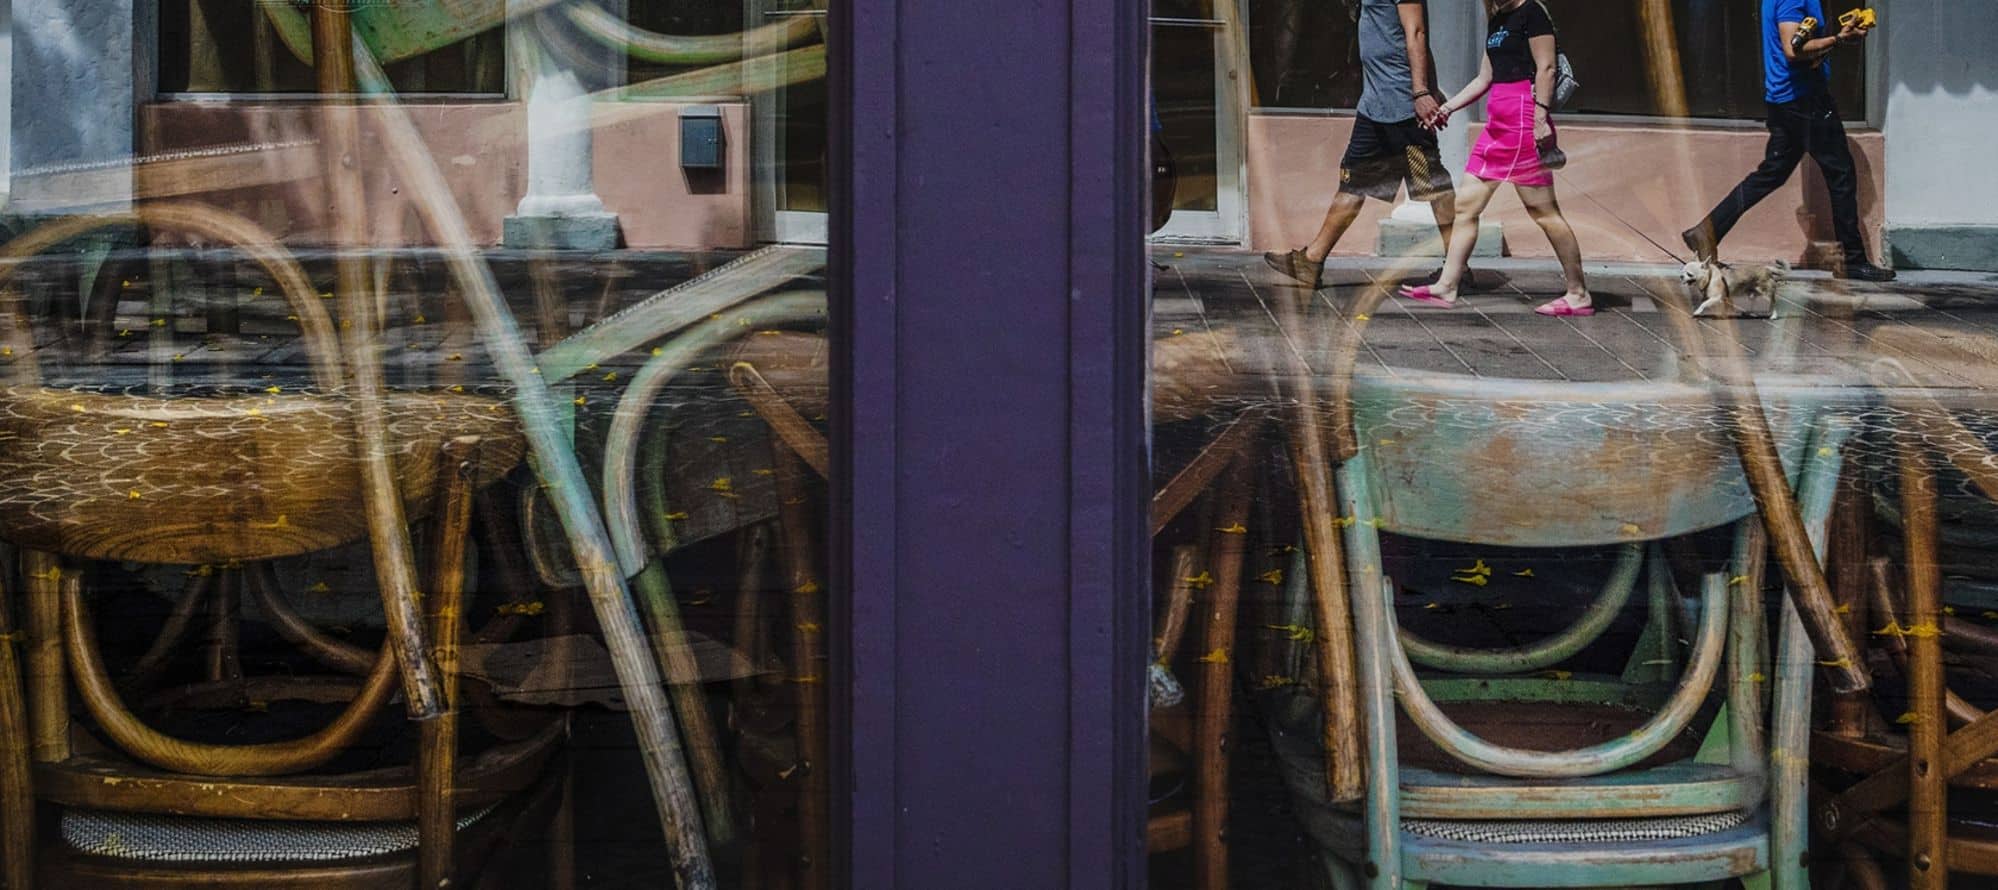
1495	334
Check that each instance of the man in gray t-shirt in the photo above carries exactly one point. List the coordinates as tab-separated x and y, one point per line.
1394	135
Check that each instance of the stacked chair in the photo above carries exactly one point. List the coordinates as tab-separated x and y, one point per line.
1690	766
1909	774
223	480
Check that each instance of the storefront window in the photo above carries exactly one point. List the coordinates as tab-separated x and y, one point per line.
1462	536
404	494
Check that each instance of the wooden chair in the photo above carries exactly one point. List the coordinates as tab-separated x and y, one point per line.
239	478
1464	460
1889	774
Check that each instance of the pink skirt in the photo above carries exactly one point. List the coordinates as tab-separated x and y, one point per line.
1506	151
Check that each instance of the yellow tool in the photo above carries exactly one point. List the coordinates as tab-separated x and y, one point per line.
1806	30
1863	18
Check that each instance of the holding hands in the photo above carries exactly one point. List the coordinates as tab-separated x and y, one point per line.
1432	114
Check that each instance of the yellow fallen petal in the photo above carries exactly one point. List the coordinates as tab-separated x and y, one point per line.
1273	576
1523	573
1473	580
1296	632
1908	718
807	588
1201	581
133	494
1234	528
677	516
1556	675
1218	656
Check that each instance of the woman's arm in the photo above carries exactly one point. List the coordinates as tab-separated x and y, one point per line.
1543	83
1472	91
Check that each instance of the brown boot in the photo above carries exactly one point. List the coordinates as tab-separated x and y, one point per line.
1294	265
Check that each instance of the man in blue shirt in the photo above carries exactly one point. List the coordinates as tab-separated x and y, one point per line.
1802	120
1394	134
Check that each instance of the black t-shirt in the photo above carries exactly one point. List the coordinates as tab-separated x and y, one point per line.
1506	41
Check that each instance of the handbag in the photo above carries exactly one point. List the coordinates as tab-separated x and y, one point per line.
1551	155
1565	83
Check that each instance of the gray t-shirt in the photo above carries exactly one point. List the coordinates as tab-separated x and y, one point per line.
1389	92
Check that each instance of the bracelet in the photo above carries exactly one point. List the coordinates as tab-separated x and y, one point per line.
1422	94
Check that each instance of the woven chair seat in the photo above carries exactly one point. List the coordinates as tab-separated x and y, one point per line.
150	837
1590	831
191	480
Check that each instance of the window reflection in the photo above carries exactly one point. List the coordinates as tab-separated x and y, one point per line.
416	480
1439	586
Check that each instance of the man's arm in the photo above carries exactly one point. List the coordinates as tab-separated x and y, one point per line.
1787	26
1421	65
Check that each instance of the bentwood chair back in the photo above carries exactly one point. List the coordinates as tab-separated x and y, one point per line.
1529	465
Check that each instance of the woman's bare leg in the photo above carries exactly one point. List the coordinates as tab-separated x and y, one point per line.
1546	212
1472	197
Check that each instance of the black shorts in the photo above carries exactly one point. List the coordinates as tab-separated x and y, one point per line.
1383	156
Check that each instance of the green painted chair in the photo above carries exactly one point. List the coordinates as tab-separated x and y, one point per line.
1532	465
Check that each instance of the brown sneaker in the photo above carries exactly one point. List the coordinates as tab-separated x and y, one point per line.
1293	265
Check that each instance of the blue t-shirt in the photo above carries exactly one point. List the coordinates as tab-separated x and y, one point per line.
1783	81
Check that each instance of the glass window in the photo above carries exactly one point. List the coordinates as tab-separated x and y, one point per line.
1305	54
255	46
441	503
1719	64
1451	552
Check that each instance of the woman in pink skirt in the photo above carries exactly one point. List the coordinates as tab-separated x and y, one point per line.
1518	72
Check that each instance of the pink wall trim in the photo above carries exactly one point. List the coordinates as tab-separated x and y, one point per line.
637	170
1624	182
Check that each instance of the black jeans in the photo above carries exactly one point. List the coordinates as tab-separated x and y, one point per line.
1805	126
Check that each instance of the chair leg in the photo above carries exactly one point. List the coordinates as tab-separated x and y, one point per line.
1757	881
807	667
48	701
436	767
17	799
1215	707
1928	783
562	833
225	627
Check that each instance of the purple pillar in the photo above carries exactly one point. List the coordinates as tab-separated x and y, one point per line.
991	464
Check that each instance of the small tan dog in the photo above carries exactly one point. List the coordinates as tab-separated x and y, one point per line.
1715	286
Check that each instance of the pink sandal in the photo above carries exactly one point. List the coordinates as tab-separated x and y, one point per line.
1426	297
1561	307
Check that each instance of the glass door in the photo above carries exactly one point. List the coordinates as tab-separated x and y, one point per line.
788	102
1195	86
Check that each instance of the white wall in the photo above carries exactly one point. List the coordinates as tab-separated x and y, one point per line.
1941	124
79	78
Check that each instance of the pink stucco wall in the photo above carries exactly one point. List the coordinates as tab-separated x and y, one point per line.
1625	182
481	149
